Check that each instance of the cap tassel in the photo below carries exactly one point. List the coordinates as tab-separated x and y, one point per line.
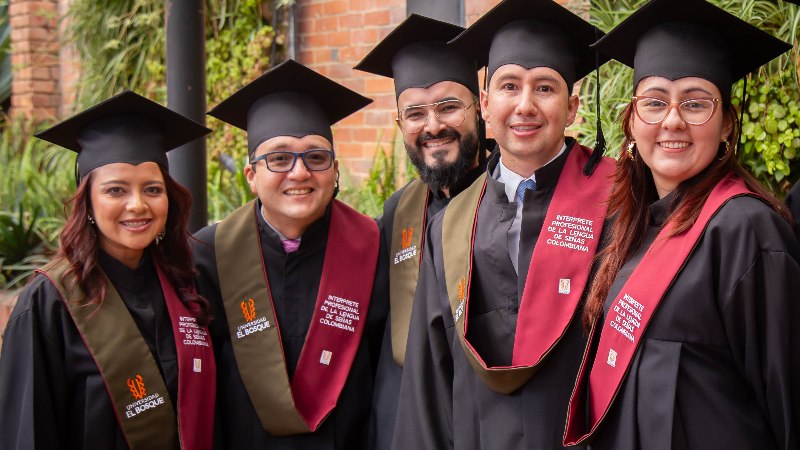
600	140
741	117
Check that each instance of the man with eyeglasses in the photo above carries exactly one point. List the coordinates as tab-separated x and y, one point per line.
437	112
293	276
495	336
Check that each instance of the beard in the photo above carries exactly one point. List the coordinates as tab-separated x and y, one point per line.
443	174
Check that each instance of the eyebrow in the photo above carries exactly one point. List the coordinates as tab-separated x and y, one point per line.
685	91
448	98
126	183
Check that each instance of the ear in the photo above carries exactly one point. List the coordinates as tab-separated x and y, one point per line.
485	105
727	127
572	109
250	175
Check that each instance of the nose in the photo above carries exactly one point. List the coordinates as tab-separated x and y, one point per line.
299	171
673	120
432	123
136	203
526	105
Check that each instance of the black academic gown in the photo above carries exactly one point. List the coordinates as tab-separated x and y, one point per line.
793	202
443	403
294	281
719	364
51	393
387	380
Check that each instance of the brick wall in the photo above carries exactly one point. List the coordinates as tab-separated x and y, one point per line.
34	59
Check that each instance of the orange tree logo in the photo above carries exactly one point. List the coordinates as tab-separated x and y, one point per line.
462	289
249	310
408	233
136	385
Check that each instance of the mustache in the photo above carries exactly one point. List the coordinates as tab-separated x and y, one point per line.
444	134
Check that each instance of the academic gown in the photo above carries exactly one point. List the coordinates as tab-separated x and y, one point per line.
793	202
387	380
294	281
51	393
719	364
443	403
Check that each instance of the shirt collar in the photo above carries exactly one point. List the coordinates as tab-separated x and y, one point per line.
511	179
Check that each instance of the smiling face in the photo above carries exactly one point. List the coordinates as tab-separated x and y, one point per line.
129	207
528	110
673	149
291	201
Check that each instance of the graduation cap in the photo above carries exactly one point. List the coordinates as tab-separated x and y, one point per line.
690	38
288	100
416	55
532	33
126	128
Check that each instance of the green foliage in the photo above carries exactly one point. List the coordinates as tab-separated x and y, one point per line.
38	180
5	52
772	116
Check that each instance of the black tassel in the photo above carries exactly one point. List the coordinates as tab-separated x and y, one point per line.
600	140
741	118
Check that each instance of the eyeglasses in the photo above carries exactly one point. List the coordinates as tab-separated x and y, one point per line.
694	111
452	113
315	160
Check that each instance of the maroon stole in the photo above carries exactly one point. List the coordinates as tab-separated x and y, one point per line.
337	325
558	273
627	321
407	245
137	390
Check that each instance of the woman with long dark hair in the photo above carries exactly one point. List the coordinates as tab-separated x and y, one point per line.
693	314
107	345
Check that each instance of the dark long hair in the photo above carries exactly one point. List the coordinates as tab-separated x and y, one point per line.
634	191
79	245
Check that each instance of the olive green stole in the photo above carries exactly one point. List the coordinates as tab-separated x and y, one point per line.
408	238
351	255
558	272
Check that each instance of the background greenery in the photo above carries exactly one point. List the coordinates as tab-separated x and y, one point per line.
121	44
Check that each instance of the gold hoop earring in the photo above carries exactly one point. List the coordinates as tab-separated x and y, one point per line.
727	149
631	150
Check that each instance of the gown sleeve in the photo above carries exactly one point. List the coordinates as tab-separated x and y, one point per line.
761	313
425	410
32	382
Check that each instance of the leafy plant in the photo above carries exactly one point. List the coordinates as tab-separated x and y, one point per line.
5	56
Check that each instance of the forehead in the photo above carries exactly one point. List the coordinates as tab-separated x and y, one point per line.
294	144
433	93
681	86
532	75
126	172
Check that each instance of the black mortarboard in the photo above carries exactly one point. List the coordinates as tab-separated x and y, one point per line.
532	33
125	128
288	100
689	38
416	55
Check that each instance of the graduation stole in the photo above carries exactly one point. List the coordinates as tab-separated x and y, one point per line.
408	239
345	290
558	272
627	321
141	401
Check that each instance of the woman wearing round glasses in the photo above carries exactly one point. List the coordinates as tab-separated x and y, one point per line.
693	312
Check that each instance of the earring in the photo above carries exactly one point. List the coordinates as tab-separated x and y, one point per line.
631	152
336	186
90	219
727	149
160	236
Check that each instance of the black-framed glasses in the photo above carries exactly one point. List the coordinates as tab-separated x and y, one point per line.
694	111
315	160
449	112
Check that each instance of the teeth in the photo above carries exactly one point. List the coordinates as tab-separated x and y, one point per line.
674	145
437	143
298	191
135	224
525	128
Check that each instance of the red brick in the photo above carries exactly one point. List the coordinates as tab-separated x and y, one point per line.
305	26
339	39
325	24
351	21
341	134
378	118
45	100
305	57
378	85
377	18
314	40
340	71
310	11
385	101
344	149
366	135
367	36
357	118
322	56
354	84
45	87
335	7
361	5
41	73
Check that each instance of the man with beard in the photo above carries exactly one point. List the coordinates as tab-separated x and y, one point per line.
437	112
494	342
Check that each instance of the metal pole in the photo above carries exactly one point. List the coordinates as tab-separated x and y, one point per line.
186	94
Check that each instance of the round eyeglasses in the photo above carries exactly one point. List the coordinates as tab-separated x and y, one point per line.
694	111
451	112
315	160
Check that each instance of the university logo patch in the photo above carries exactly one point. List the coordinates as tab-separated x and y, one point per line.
136	385
325	357
462	289
198	365
408	234
612	358
249	310
563	286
